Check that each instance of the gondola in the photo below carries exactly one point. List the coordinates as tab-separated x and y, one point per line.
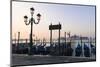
78	50
86	51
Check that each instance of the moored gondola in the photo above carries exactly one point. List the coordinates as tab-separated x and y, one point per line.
86	51
78	50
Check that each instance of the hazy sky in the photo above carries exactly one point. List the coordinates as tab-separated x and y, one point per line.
78	20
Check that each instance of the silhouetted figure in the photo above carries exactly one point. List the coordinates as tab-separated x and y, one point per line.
78	50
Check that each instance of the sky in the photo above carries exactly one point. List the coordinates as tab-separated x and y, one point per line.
79	20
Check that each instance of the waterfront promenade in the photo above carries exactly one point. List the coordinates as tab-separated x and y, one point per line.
24	59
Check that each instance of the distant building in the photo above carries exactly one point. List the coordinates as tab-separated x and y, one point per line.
76	37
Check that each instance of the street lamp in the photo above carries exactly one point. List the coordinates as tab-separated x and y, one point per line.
32	11
31	21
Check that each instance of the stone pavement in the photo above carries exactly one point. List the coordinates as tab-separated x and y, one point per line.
17	59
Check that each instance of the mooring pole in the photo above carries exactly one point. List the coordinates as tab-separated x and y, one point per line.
51	37
59	41
18	38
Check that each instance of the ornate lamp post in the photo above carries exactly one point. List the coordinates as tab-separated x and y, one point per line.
31	21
